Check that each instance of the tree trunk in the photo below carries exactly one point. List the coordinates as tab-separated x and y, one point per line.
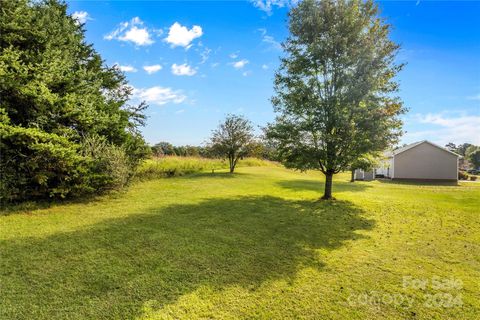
232	163
353	176
328	186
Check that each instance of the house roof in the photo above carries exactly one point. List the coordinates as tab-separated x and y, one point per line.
407	147
413	145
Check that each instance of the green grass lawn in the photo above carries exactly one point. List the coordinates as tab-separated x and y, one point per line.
257	244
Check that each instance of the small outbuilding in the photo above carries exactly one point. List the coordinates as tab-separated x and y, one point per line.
421	160
364	175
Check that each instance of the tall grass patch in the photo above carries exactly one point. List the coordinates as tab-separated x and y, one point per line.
170	166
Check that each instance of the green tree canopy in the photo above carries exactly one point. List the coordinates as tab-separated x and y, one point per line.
473	155
335	88
52	81
233	139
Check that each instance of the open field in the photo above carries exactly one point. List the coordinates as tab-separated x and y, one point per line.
256	244
178	166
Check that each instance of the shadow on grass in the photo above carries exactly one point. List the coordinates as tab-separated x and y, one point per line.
313	185
111	269
40	204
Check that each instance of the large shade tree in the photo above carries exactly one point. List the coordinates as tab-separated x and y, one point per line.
335	88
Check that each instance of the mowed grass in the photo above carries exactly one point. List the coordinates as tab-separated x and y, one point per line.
256	244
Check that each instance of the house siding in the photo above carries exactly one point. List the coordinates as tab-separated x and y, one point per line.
386	168
426	162
364	175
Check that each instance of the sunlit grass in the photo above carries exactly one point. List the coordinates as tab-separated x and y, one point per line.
256	244
177	166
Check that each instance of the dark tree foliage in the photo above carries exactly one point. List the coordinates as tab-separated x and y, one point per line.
473	156
56	91
460	149
163	149
233	139
335	87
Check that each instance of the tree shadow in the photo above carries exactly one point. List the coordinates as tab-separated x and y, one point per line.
40	204
318	186
111	269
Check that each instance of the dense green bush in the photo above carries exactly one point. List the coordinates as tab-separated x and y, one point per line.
56	95
35	164
108	164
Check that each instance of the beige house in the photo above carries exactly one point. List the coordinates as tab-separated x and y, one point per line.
421	160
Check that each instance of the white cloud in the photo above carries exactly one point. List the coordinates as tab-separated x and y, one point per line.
475	97
139	36
233	55
268	5
81	16
131	31
272	42
246	73
205	54
126	68
152	69
447	127
264	66
269	40
179	35
183	70
158	95
215	64
240	64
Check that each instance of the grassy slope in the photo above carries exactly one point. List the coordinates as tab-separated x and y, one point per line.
256	244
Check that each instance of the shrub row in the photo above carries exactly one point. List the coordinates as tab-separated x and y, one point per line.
35	164
464	176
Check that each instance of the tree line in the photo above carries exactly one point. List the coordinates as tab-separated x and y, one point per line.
469	152
67	127
233	139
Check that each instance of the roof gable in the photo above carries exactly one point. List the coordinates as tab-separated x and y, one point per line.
413	145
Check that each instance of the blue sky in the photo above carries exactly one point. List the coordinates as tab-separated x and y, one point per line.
196	61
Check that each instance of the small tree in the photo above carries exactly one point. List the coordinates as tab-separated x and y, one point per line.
451	146
163	149
462	149
335	89
232	139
